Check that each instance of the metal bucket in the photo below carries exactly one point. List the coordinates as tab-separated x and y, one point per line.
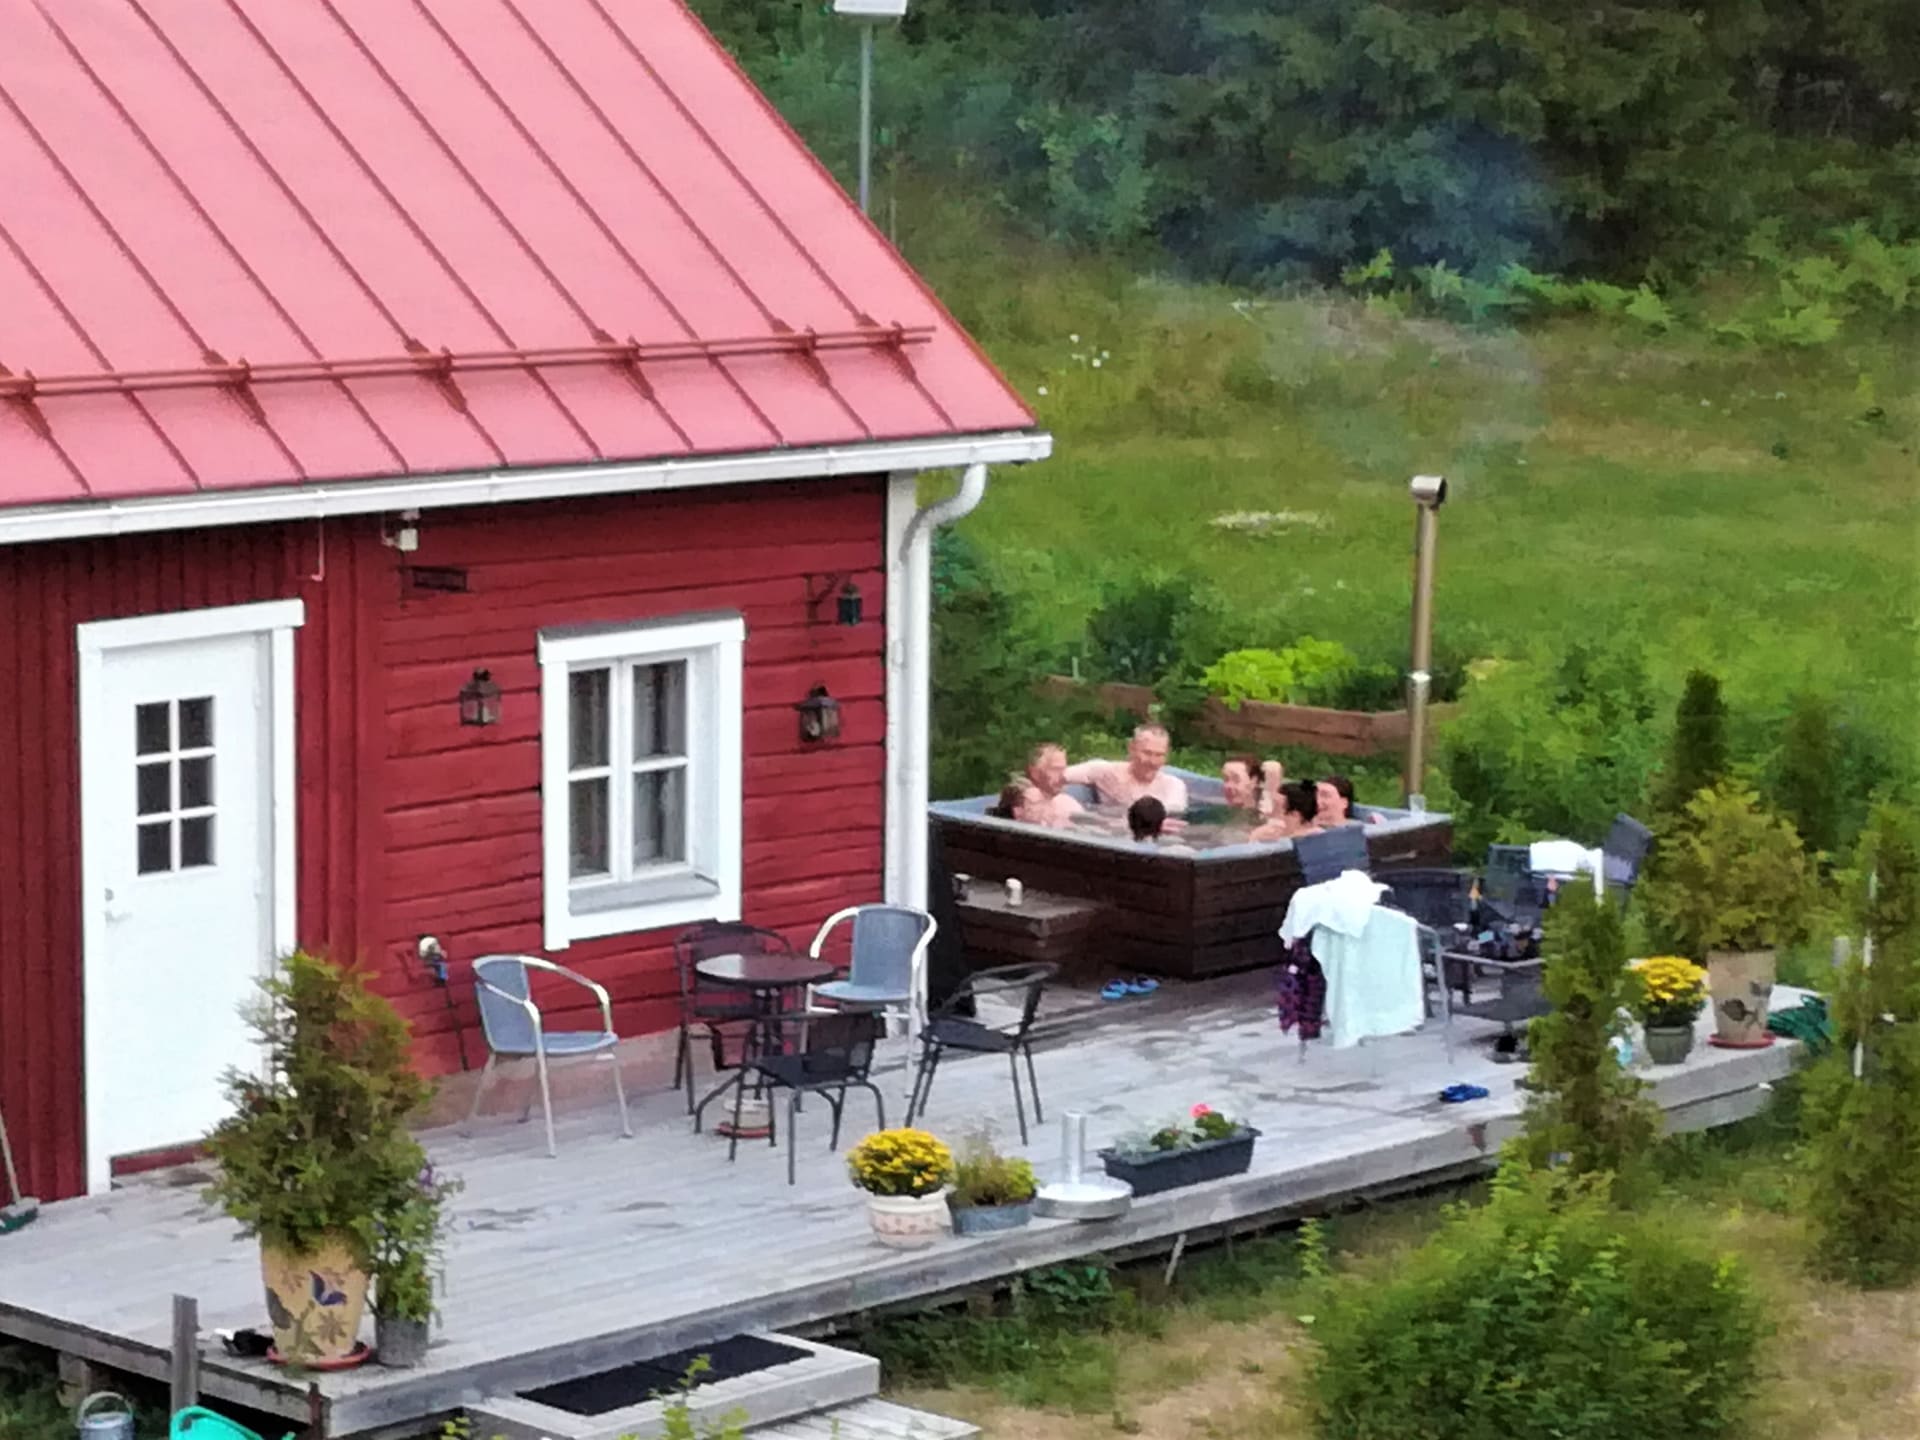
109	1424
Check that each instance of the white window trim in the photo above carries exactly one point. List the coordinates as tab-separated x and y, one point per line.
274	619
715	647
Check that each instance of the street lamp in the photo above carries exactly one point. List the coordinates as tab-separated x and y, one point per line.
869	13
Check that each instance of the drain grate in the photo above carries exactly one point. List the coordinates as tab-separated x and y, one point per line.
644	1380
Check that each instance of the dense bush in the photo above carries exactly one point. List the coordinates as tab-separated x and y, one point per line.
1136	632
1307	672
1861	1156
1546	747
1585	1114
1544	1313
1697	756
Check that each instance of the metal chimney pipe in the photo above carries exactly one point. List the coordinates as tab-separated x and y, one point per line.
1429	494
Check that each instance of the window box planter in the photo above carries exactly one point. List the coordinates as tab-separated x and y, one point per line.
1190	1165
985	1219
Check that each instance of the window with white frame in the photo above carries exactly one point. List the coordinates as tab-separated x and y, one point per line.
640	775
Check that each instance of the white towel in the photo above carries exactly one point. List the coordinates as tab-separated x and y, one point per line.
1563	857
1343	905
1374	985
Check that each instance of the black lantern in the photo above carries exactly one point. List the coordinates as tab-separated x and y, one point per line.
819	716
850	604
480	700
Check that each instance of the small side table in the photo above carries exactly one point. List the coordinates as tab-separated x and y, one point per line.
1043	927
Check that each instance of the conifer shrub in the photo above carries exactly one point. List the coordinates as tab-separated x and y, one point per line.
1697	757
1545	1312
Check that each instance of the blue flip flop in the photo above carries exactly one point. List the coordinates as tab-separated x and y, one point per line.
1115	990
1141	985
1460	1094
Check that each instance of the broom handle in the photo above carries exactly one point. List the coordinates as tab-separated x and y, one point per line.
6	1156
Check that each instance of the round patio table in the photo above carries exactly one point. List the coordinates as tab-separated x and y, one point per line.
770	977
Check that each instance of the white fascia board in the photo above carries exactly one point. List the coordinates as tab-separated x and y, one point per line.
500	487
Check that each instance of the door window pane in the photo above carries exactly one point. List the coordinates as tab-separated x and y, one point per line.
154	851
196	841
659	817
588	828
659	710
153	790
196	724
152	728
196	783
587	719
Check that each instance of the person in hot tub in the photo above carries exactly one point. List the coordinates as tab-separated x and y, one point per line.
1047	770
1335	796
1140	776
1250	784
1295	813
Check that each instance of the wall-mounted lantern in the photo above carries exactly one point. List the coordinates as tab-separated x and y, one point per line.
480	700
819	716
849	607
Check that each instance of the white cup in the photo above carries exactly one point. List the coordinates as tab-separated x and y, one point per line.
1016	892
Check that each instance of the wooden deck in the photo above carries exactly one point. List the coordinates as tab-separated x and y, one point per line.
624	1249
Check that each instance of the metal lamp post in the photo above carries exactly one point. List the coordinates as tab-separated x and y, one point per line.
1429	494
869	13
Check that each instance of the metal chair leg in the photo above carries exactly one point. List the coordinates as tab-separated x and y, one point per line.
932	1063
740	1094
546	1100
879	1103
480	1089
836	1103
1019	1105
1034	1081
792	1129
620	1093
920	1076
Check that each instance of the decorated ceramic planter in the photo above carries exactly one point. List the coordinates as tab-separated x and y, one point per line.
909	1222
1158	1170
1669	1044
315	1300
1741	984
985	1219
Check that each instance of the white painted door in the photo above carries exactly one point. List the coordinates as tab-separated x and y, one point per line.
178	759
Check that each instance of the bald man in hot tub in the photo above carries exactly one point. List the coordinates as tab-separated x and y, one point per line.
1143	773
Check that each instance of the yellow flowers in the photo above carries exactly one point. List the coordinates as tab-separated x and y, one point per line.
900	1162
1672	990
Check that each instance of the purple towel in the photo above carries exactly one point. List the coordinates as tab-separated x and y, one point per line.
1301	989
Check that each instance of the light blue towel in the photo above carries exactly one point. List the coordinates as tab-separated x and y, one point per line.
1374	986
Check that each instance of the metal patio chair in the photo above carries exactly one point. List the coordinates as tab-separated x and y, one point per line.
515	1031
716	1007
1625	849
888	966
1331	853
835	1055
951	1027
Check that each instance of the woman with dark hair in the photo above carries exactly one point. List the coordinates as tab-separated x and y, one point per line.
1335	794
1295	812
1020	799
1146	818
1240	779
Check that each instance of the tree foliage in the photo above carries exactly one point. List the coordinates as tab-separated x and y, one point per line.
1255	139
1698	757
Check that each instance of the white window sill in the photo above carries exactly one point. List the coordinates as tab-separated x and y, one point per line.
647	905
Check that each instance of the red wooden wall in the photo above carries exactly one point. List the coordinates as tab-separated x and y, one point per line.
409	823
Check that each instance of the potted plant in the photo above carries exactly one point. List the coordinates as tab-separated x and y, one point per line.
990	1191
1207	1145
1731	886
905	1174
315	1148
409	1238
1672	990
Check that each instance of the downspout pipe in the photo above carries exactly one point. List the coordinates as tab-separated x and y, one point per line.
911	701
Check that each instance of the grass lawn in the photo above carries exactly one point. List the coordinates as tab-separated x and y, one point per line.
1755	510
1217	1356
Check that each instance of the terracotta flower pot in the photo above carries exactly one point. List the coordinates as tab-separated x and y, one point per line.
1741	983
315	1301
909	1222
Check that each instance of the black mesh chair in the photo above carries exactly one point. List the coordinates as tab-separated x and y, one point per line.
951	1028
716	1008
1440	899
835	1055
1328	855
1510	893
1625	849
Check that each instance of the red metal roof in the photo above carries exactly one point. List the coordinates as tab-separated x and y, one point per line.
257	242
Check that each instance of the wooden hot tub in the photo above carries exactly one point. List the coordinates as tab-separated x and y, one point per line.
1183	915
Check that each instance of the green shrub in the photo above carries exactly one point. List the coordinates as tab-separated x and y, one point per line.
1307	672
1807	782
1135	633
1585	1114
984	1176
1697	757
1546	747
1729	875
1544	1313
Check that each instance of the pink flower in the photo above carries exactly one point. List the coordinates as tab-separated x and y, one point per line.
1200	1110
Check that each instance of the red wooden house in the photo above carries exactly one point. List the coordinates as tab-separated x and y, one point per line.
373	369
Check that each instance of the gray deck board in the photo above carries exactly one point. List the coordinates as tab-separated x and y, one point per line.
622	1248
